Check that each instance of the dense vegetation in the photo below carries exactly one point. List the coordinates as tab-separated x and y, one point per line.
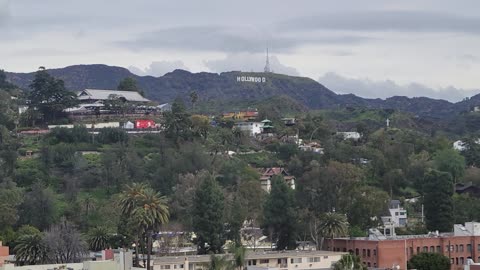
93	190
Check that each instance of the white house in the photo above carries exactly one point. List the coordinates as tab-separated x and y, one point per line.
252	128
349	135
462	146
397	217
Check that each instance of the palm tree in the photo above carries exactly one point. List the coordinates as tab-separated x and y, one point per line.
30	249
238	252
98	239
349	262
153	211
147	209
219	262
127	202
333	225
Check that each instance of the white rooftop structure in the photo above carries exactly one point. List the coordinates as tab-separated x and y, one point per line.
97	94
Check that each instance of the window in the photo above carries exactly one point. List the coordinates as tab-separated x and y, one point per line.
439	249
357	252
296	260
462	261
364	252
469	248
396	213
432	249
369	265
461	248
368	253
418	250
314	259
425	249
456	249
325	257
165	266
456	261
411	250
478	247
451	261
374	252
264	261
254	262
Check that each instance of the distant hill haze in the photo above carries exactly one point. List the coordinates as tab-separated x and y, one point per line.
240	87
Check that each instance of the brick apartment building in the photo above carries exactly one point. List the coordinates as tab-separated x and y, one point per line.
393	252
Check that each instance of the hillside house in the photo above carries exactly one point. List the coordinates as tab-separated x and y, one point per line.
314	147
251	128
397	217
467	188
248	115
350	135
268	173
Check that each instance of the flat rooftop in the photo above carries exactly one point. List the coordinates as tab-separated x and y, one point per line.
249	256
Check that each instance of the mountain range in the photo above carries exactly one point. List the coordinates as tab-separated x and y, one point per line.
237	87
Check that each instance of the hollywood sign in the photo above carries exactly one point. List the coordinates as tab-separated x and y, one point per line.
251	79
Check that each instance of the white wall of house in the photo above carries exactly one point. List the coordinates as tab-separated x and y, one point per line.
252	128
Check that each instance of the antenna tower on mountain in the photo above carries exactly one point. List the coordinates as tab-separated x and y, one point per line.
267	63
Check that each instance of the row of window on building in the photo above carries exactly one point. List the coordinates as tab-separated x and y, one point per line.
283	261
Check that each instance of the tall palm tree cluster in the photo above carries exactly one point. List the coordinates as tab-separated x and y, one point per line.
145	211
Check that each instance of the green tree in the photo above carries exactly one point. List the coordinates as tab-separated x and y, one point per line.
438	202
239	253
449	160
207	214
193	98
39	208
98	238
349	262
219	262
147	210
429	261
129	84
30	249
367	202
333	225
279	218
235	220
4	84
49	96
11	197
177	122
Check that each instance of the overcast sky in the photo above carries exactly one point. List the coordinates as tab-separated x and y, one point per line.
372	48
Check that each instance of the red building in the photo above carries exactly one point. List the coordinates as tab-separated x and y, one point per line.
144	124
393	252
4	252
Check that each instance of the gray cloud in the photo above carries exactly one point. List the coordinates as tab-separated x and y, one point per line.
230	40
158	68
388	88
400	20
4	11
248	62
